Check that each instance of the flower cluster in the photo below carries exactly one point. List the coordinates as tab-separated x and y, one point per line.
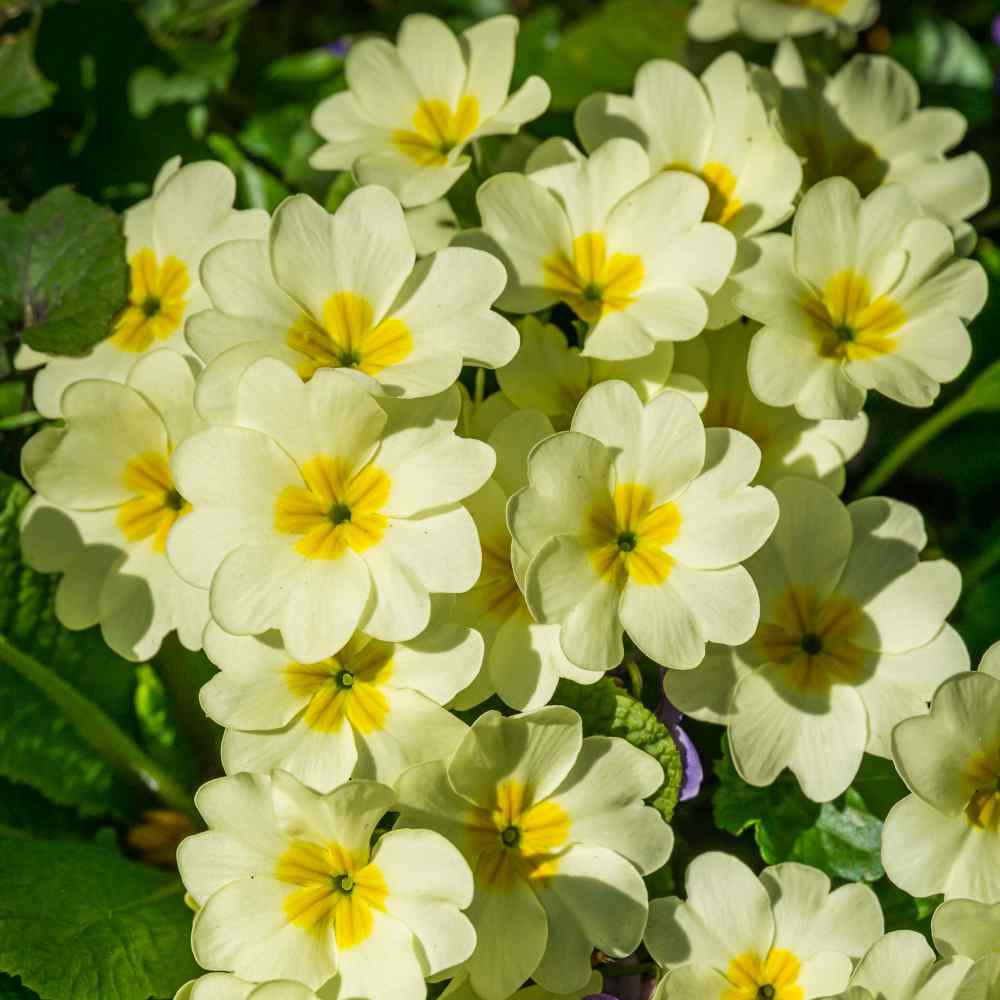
273	455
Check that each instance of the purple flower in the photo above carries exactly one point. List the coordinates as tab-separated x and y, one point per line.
692	772
996	30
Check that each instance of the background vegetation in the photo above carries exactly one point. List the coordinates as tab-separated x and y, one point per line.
98	95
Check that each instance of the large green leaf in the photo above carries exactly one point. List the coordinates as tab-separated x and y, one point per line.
25	812
607	710
79	922
603	50
12	989
63	275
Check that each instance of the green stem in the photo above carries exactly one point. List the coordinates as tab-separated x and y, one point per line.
480	389
912	443
640	969
20	420
981	566
100	732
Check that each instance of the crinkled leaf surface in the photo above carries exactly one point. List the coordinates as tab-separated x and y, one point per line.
63	274
80	922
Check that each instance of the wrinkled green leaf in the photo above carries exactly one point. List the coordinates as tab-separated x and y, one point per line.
23	89
285	138
79	922
903	911
939	51
38	746
149	88
603	50
63	274
607	710
879	785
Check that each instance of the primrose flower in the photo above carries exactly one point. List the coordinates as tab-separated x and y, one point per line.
326	509
342	291
782	936
107	504
368	711
966	927
460	988
412	108
629	254
790	445
222	986
636	520
851	641
289	888
166	237
903	966
945	837
770	20
865	123
556	833
716	128
524	660
865	294
551	377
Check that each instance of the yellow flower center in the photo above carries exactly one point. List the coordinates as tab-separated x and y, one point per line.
157	504
774	978
337	510
848	325
337	891
156	302
593	284
983	776
722	205
347	338
813	640
437	130
517	839
625	536
345	686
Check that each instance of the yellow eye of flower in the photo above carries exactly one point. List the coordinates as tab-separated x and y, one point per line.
627	536
437	130
592	284
157	505
156	302
848	324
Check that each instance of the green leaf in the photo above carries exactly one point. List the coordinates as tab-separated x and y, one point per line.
903	911
341	186
607	710
12	989
79	922
258	188
879	785
305	67
23	89
939	51
603	50
841	838
149	88
38	745
845	842
27	813
63	275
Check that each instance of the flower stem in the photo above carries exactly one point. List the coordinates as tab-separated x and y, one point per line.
100	732
918	438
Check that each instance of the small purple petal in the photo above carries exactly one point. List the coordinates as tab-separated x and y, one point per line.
692	772
996	30
340	46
